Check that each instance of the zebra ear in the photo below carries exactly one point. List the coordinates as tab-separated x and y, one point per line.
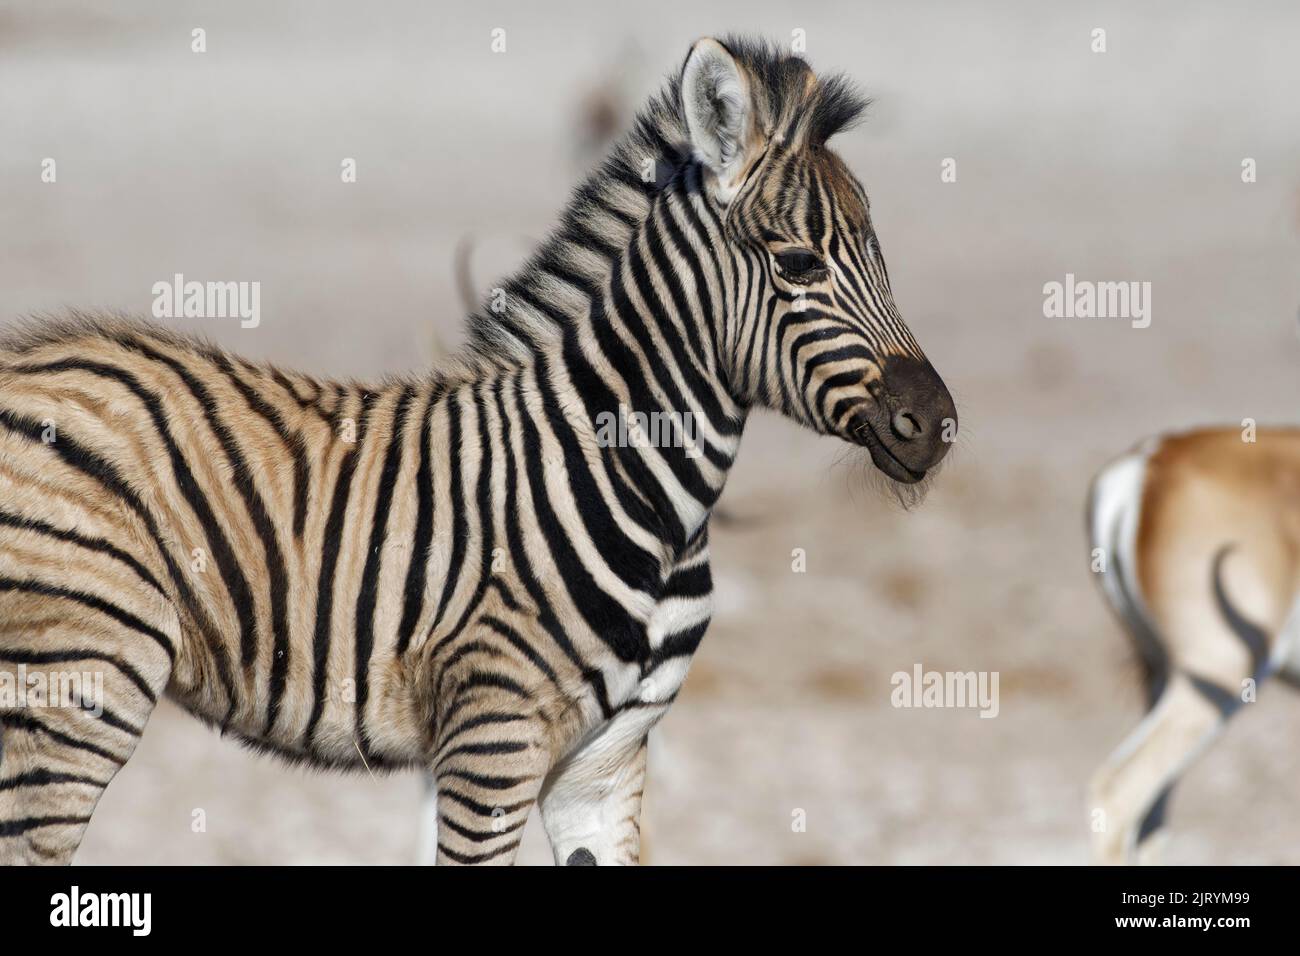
719	113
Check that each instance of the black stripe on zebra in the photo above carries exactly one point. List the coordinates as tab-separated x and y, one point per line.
94	466
227	563
90	544
365	611
332	543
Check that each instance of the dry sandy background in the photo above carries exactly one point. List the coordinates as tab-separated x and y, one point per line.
1115	166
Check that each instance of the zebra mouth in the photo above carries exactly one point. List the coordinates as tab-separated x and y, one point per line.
883	458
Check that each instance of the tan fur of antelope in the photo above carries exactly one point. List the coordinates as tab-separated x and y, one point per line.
1201	538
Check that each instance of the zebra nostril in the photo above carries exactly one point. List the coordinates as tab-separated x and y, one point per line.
905	425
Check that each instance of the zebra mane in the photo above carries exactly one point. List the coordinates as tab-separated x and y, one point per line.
556	282
831	105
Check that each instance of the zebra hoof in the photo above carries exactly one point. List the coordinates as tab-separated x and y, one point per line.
580	857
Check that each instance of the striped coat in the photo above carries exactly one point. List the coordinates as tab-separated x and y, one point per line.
470	571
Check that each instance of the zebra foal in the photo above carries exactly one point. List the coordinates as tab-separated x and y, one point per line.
459	571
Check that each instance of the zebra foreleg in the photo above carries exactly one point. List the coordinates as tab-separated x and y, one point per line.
591	804
426	842
487	776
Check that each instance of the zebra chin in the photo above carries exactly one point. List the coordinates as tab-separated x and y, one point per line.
863	430
880	469
885	460
910	492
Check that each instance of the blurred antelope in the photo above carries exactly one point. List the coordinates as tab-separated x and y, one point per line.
1200	538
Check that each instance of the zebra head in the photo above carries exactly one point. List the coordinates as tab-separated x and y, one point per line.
814	332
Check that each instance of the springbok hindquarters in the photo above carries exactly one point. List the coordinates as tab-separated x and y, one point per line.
1197	537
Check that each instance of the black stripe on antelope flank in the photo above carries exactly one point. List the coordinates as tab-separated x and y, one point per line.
40	777
515	542
262	523
478	836
1150	646
469	859
1155	818
1252	635
455	493
31	725
422	537
13	655
1225	701
83	541
13	828
241	594
364	626
332	543
94	466
606	618
123	617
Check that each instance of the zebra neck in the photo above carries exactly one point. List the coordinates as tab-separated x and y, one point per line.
623	312
642	364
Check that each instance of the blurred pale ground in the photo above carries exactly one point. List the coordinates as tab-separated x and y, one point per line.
1115	166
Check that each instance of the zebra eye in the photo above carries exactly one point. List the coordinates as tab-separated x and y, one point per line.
799	264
